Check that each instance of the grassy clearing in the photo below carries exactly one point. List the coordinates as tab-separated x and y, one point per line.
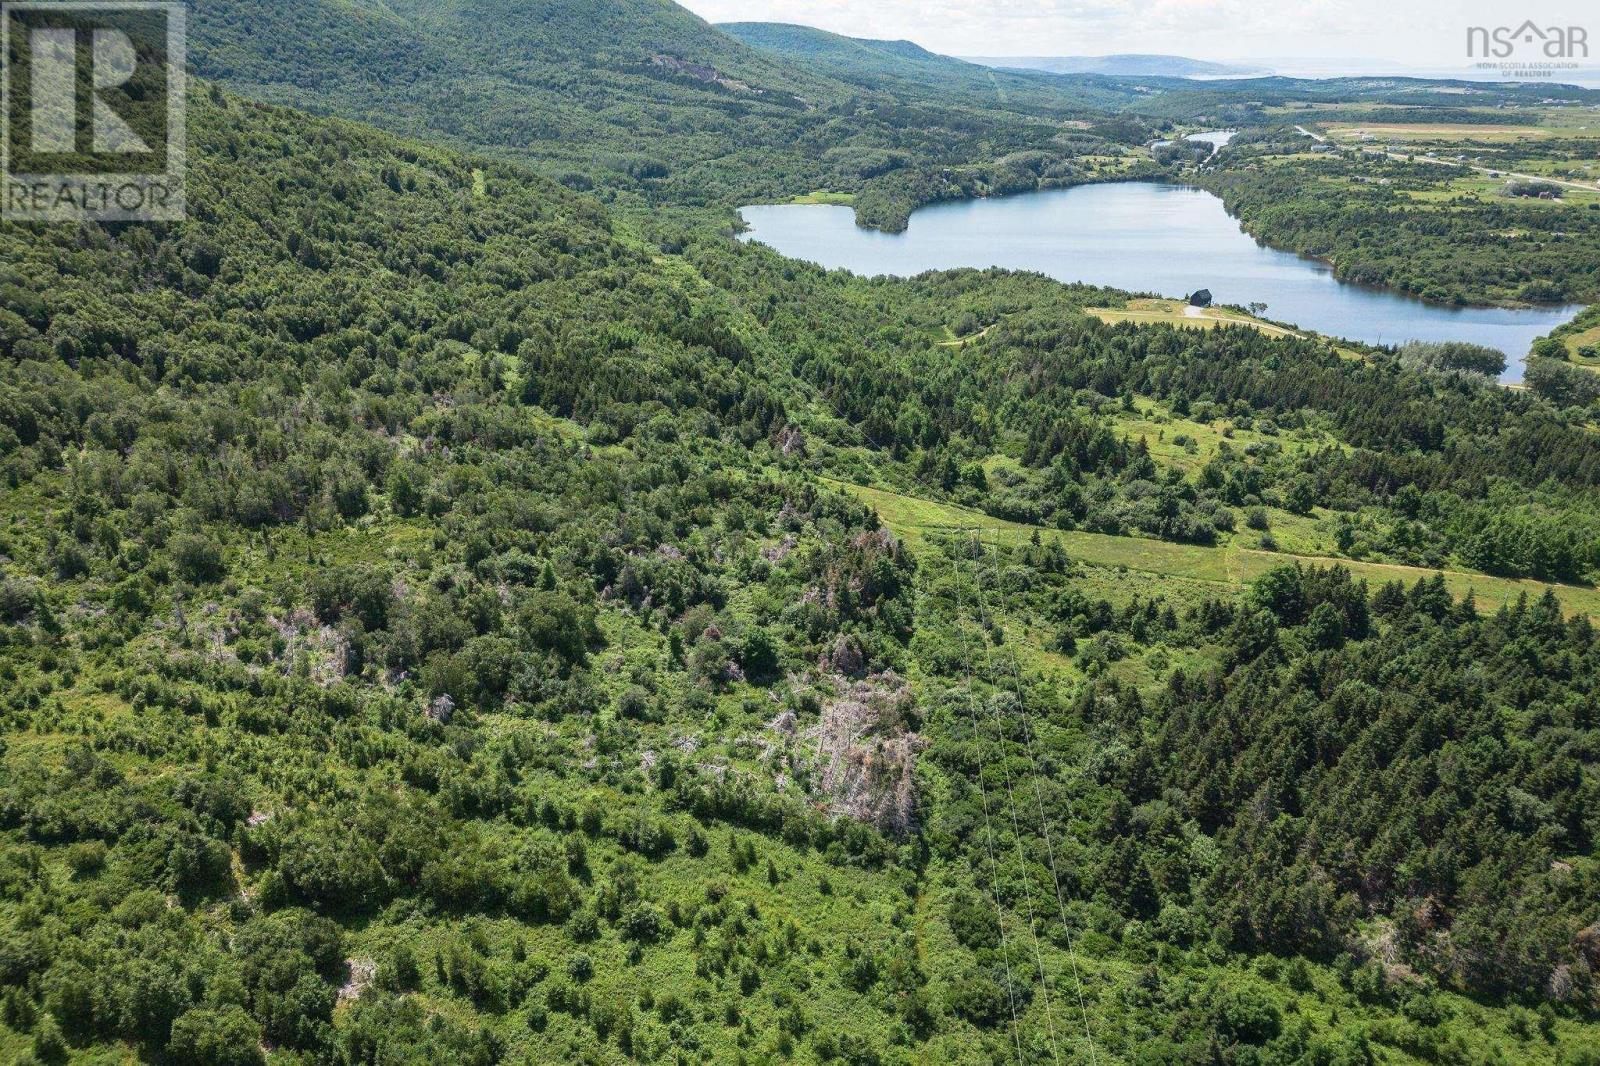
1156	311
1177	313
1583	339
1187	444
1230	565
1570	169
825	196
1472	183
961	342
1455	182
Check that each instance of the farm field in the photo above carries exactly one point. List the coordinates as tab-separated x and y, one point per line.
1421	131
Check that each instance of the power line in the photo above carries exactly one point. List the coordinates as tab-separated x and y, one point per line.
1044	825
994	877
1016	826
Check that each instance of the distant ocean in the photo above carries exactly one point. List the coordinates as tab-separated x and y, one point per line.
1585	77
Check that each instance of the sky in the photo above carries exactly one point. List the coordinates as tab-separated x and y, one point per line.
1399	33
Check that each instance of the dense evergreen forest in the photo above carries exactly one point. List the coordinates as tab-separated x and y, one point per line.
450	613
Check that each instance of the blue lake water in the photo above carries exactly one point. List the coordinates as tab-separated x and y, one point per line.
1215	138
1145	237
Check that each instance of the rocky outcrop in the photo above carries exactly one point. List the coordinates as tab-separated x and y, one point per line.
701	72
845	657
359	973
790	440
861	754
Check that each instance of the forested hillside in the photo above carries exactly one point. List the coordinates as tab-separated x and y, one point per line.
643	99
437	629
648	107
460	604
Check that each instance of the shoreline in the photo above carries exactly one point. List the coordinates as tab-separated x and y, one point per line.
1432	315
826	198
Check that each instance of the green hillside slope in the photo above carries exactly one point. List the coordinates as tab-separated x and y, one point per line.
433	631
638	95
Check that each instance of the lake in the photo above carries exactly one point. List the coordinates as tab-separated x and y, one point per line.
1215	138
1143	237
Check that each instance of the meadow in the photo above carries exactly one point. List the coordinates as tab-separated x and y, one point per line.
1231	566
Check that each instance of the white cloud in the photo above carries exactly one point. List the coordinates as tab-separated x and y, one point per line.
1403	32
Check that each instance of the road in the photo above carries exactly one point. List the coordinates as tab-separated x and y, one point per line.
1491	171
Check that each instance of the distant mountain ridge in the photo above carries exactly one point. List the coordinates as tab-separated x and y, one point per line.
1123	65
904	66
